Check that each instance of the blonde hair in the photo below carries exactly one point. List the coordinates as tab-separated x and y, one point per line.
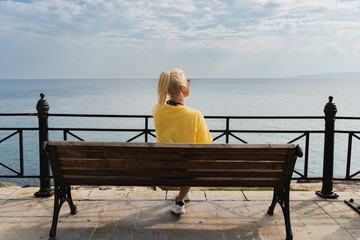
169	85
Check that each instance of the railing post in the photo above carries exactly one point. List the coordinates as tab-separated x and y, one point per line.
146	128
227	129
43	110
328	165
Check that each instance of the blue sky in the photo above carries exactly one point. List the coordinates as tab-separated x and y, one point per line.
206	38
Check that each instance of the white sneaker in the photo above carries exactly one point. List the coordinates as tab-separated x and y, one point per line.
178	208
187	197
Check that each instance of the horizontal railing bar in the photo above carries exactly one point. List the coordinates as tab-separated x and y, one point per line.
98	115
265	117
18	114
102	129
150	116
348	118
15	129
346	131
209	117
16	176
271	131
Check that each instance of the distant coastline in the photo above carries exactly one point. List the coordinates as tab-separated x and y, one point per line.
331	75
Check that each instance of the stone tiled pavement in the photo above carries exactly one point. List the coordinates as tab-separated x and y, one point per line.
140	213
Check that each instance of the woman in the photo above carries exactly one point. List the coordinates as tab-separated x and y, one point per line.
175	123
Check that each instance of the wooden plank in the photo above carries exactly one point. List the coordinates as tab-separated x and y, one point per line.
72	144
168	156
245	165
172	173
148	181
176	150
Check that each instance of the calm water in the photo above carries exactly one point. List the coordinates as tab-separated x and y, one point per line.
255	97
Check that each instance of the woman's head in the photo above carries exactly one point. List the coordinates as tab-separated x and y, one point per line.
173	84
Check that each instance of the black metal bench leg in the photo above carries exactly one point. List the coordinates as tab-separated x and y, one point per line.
285	206
73	208
273	203
62	194
58	202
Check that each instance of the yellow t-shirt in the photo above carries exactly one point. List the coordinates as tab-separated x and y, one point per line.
179	124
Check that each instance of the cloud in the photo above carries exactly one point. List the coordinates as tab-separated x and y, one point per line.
235	30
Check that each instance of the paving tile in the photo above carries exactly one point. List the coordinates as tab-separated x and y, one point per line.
197	234
154	215
82	224
146	195
232	211
258	195
304	195
34	223
153	234
80	193
120	194
258	210
33	218
6	192
342	214
328	232
109	220
243	231
129	215
344	196
102	193
310	213
2	201
357	193
10	211
279	232
224	195
355	232
195	195
125	227
272	232
27	192
199	215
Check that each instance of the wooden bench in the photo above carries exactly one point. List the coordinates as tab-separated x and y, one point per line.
164	164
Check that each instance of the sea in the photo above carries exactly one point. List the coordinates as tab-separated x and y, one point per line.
213	97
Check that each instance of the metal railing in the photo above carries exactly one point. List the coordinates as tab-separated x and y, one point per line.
226	133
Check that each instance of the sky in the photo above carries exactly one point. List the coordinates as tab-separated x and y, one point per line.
206	38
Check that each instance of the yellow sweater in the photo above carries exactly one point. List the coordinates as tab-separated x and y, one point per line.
179	124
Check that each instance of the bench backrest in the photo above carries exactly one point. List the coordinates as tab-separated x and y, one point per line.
154	164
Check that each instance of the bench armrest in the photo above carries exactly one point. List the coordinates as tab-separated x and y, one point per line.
299	151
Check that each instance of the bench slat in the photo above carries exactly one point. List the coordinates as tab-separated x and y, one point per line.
169	156
246	165
152	181
166	146
215	173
